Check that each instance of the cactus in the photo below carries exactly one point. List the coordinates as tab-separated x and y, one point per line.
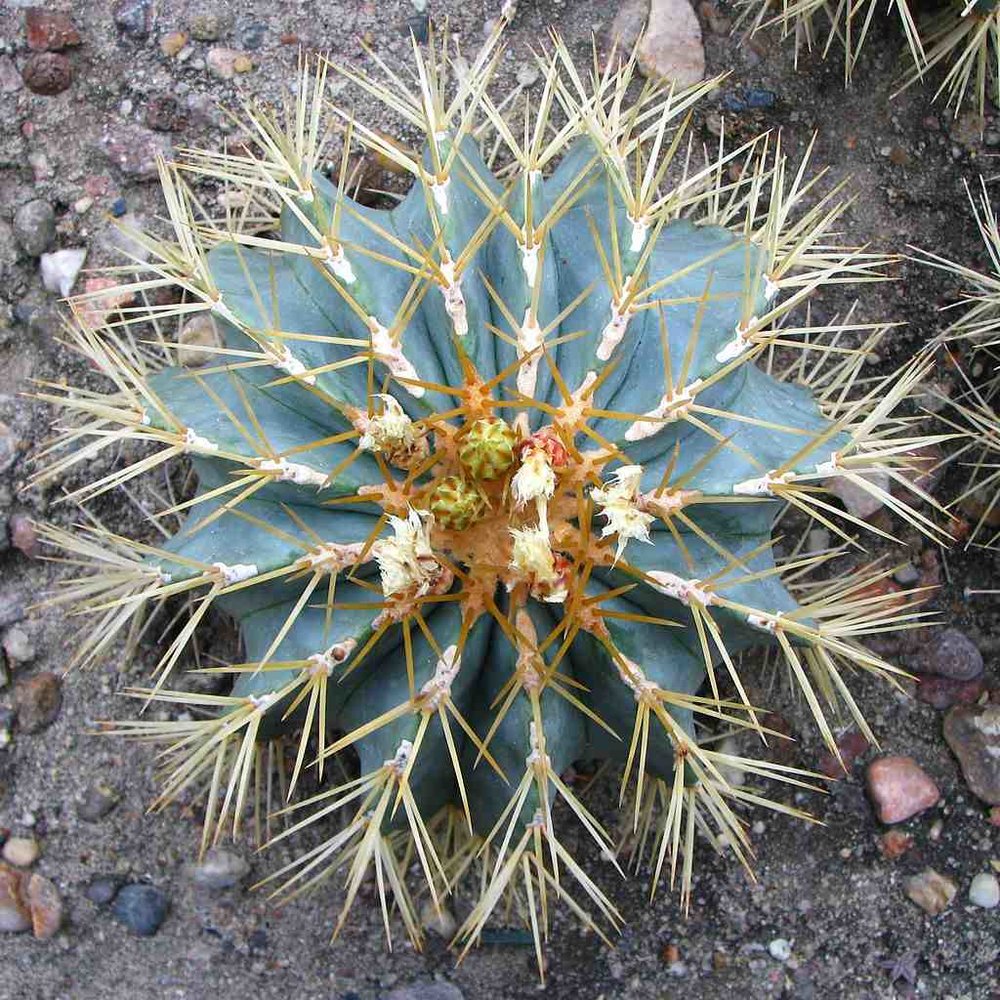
960	35
487	479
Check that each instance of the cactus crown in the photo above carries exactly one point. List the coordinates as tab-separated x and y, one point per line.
488	479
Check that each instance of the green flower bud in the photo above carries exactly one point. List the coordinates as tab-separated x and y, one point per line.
456	504
487	450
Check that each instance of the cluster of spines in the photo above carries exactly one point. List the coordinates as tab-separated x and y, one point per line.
964	36
751	190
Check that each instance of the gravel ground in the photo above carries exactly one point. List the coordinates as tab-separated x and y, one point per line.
826	889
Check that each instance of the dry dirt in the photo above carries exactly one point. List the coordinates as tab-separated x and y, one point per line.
824	888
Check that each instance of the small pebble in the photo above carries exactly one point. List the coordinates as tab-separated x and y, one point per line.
37	701
441	922
17	646
49	30
209	27
252	35
60	269
22	852
906	575
527	74
942	692
47	73
103	889
851	745
900	788
96	802
780	949
134	150
10	78
948	653
931	891
220	869
894	844
985	891
15	916
172	43
818	540
35	227
226	63
973	733
45	905
165	114
859	502
198	332
141	908
135	17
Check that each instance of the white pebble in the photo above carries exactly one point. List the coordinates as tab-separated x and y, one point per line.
781	949
59	269
985	891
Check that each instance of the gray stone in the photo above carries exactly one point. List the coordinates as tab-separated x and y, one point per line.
973	733
985	891
141	908
96	802
18	646
220	869
35	227
103	889
135	17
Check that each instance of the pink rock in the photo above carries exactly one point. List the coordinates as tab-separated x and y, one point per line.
94	311
900	788
672	48
23	535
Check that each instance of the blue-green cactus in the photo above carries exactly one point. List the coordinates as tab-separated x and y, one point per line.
488	478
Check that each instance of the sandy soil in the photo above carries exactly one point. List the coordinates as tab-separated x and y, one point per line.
824	888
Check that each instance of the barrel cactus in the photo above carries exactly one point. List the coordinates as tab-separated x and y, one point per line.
960	35
486	477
